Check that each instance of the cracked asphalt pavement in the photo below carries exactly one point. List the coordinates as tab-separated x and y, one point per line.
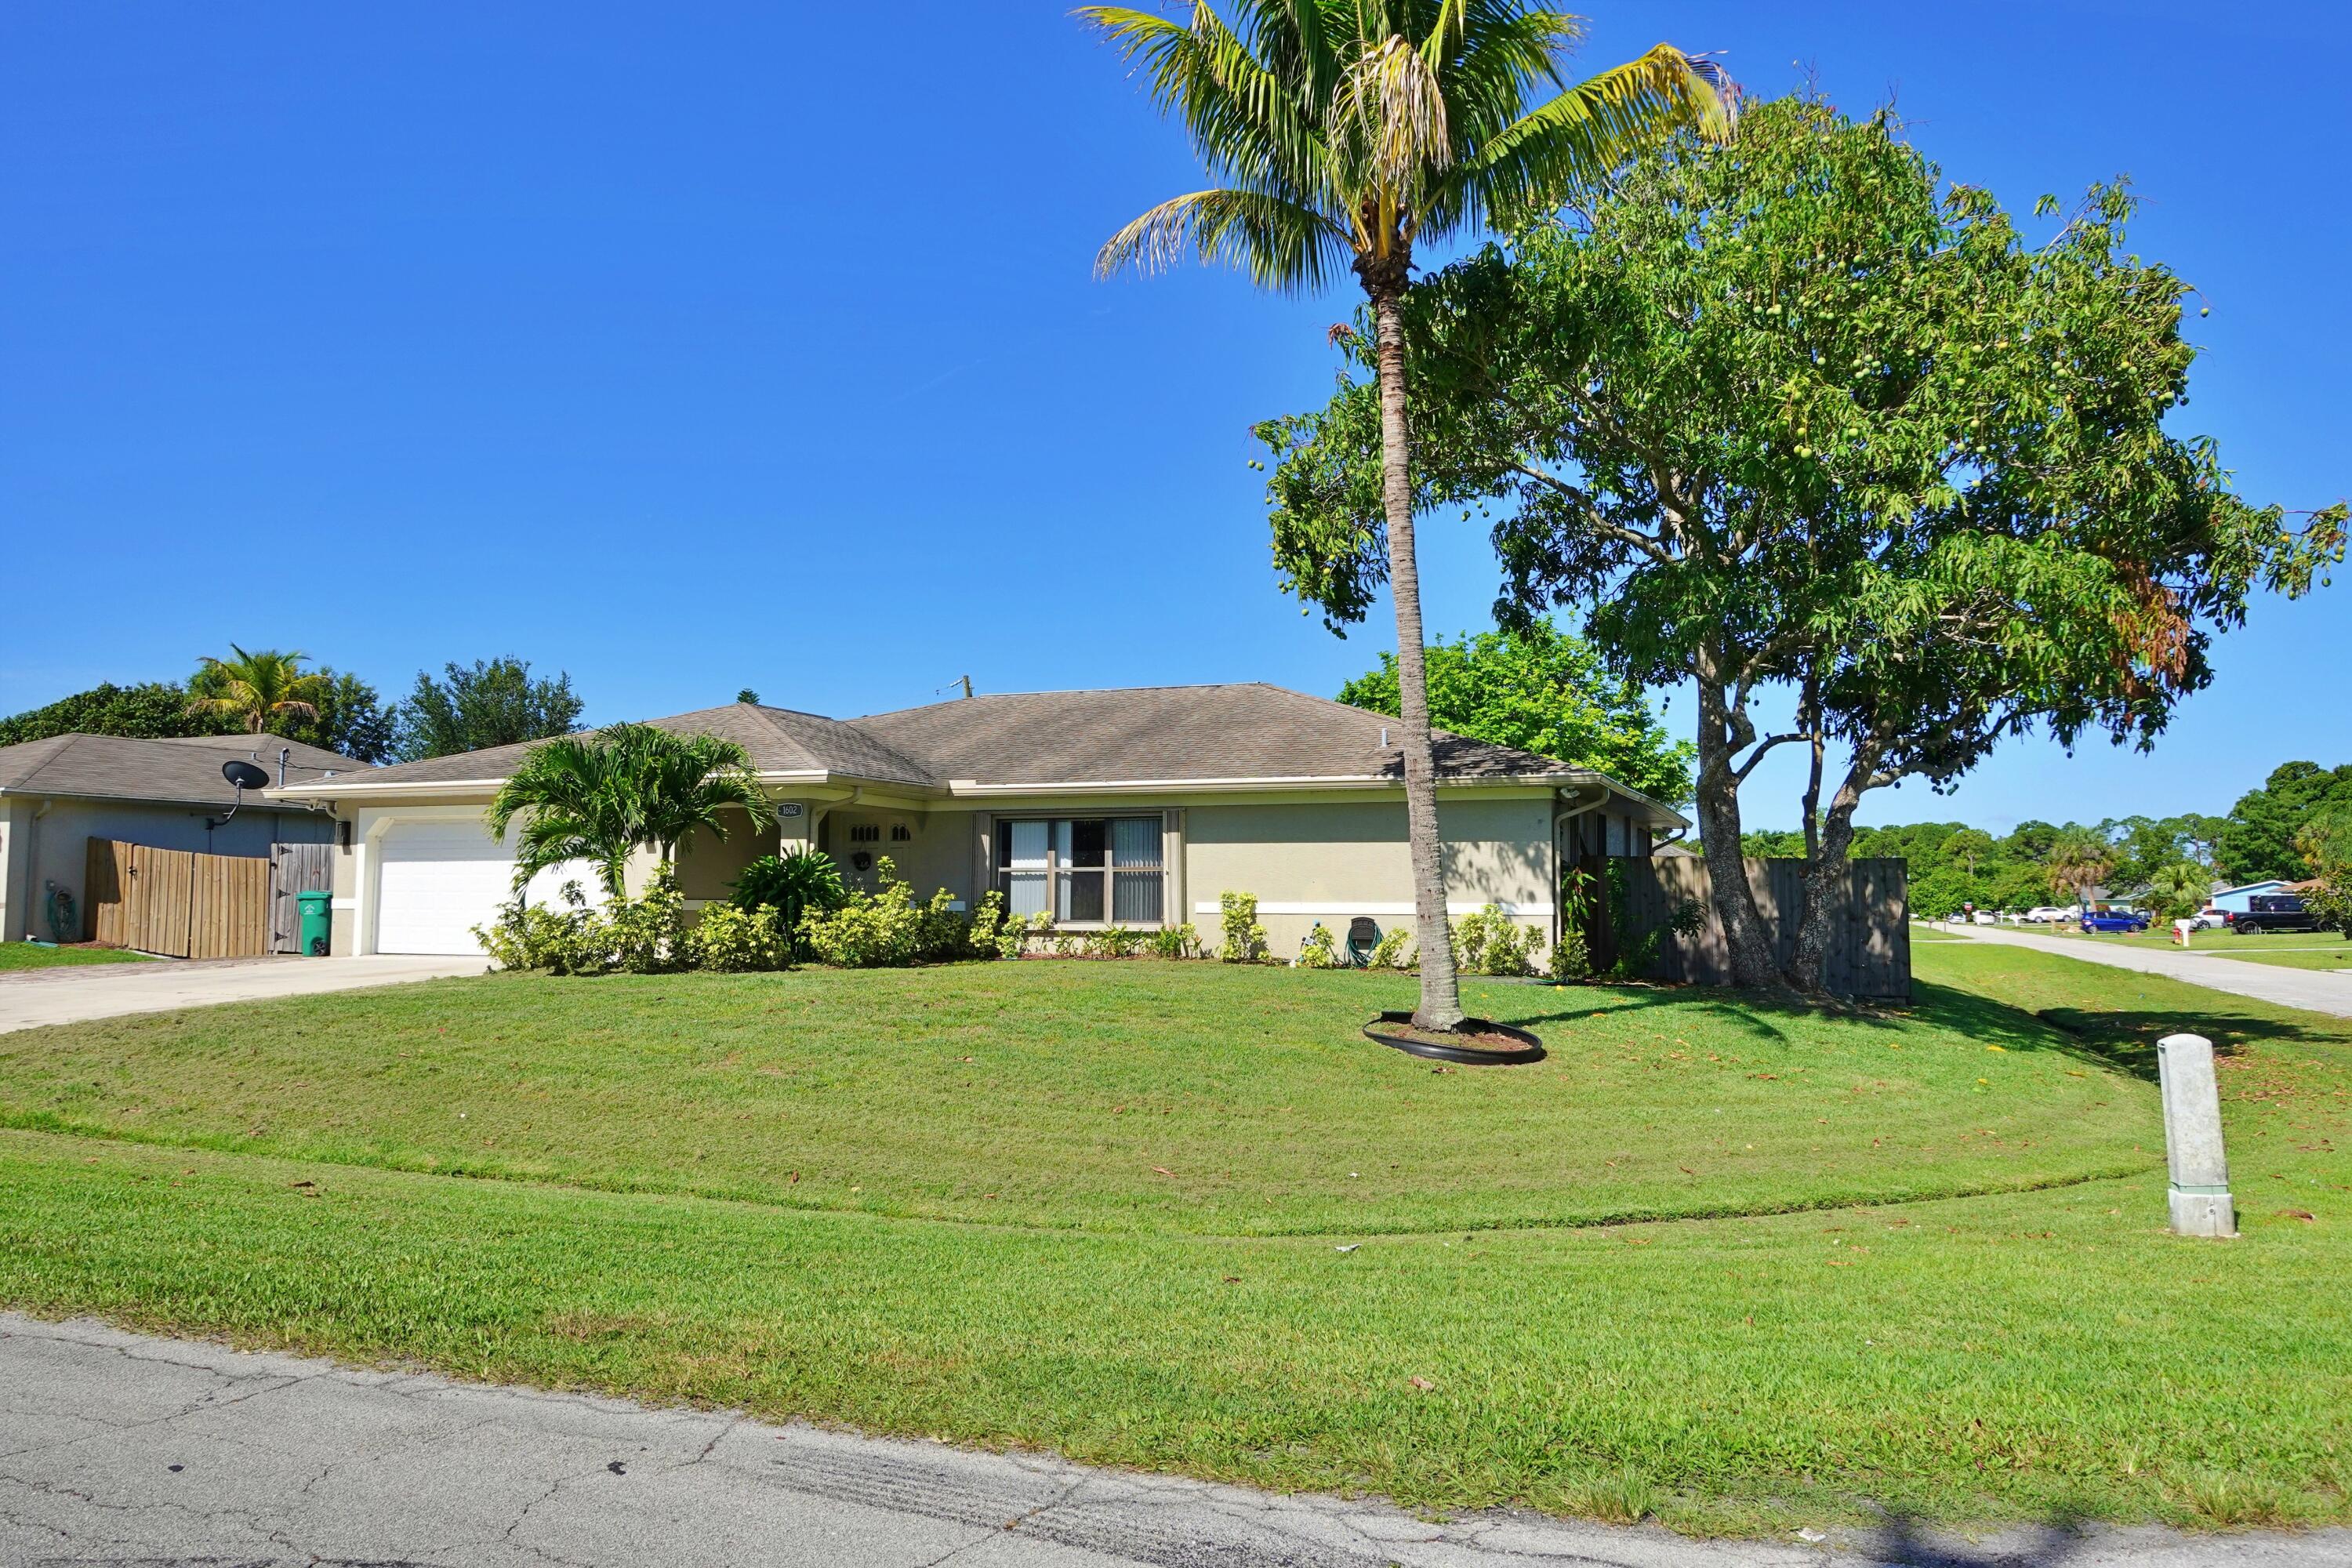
122	1449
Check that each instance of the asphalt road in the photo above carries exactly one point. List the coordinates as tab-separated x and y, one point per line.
32	997
121	1449
2314	990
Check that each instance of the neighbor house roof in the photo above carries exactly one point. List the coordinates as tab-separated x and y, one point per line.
1044	741
180	771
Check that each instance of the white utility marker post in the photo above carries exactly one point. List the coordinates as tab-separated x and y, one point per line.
2192	1137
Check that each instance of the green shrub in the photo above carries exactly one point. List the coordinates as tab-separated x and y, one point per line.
1389	952
649	932
1176	941
570	940
1013	936
792	884
1318	951
1490	943
983	937
1113	942
731	940
1244	939
886	928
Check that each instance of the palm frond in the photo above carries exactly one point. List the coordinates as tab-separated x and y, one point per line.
1580	136
1390	114
1280	244
1242	119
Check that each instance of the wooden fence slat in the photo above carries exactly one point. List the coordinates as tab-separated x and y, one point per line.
1870	938
295	869
178	902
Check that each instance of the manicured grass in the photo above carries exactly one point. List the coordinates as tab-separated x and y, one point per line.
1138	1097
33	955
2031	1354
2293	957
2228	942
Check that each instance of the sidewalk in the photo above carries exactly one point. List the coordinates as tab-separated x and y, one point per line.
2313	990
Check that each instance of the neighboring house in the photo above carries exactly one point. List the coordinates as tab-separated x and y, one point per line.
1133	808
58	794
2237	901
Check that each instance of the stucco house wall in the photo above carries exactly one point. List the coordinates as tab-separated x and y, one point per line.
47	840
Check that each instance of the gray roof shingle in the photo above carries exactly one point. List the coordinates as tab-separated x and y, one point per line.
1133	735
183	770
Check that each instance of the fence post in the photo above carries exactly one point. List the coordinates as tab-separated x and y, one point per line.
2192	1138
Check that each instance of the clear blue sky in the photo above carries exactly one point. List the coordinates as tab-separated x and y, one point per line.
691	347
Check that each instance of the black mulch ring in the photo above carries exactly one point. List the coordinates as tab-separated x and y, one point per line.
1396	1030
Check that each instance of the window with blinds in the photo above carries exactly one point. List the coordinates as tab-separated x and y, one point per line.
1086	870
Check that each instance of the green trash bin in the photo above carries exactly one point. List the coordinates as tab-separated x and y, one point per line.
317	922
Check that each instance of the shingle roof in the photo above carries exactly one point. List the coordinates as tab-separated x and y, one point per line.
1156	732
1137	735
180	770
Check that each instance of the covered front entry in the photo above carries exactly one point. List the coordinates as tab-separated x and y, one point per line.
436	880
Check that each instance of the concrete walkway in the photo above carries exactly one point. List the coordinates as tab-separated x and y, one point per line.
118	1448
2314	990
32	997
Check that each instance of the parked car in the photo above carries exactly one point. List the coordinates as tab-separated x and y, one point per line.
1986	918
2207	919
2274	911
2115	921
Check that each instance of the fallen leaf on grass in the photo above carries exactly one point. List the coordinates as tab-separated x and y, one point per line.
1350	1247
1420	1383
1233	1278
2294	1213
1163	1170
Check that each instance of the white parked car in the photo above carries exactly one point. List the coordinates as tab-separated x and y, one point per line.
2207	919
1986	918
2048	915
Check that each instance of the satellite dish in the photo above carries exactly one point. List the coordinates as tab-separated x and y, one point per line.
243	775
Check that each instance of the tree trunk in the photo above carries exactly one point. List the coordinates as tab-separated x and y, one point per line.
1826	877
1752	963
1440	1000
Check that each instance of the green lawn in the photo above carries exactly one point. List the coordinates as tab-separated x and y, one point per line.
2028	1353
33	955
2292	949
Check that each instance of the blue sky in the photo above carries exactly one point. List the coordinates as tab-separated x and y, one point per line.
697	346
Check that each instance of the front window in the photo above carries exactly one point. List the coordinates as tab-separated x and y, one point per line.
1087	870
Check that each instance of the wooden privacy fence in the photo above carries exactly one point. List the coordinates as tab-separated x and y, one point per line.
182	904
1870	934
295	869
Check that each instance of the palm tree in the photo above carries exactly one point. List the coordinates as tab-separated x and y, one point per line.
2179	889
596	797
1348	131
2079	860
256	688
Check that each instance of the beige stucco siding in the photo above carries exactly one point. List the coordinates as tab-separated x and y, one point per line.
1334	861
936	853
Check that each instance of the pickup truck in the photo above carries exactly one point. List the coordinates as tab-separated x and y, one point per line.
2272	911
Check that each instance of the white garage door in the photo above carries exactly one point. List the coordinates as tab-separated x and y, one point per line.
438	880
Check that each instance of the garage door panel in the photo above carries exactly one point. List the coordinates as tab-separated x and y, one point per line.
438	880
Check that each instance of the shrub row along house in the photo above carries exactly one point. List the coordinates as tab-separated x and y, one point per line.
1129	807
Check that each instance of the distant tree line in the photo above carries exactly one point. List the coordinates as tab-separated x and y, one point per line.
490	702
2296	826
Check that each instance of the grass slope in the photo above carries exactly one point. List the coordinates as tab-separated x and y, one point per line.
2028	1355
1142	1096
33	955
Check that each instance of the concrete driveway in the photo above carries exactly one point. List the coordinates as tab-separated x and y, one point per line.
117	1448
2314	990
32	997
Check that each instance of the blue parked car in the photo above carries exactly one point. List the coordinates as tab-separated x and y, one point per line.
2115	922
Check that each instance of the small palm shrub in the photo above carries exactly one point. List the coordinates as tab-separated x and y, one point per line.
1318	951
1244	939
1113	942
792	884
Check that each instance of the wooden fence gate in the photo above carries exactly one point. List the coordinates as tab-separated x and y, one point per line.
178	902
1870	934
295	869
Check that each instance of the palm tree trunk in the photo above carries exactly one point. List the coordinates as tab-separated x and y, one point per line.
1441	999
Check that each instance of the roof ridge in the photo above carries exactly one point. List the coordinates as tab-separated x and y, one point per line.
1069	691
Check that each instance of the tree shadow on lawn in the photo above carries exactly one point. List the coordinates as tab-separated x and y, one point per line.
2118	1041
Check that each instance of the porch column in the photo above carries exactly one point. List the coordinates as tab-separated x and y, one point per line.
795	825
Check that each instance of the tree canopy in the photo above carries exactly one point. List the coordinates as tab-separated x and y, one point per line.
154	711
1794	413
492	702
1544	691
2258	837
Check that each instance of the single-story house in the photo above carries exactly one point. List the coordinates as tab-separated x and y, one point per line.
58	795
2238	900
1135	807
